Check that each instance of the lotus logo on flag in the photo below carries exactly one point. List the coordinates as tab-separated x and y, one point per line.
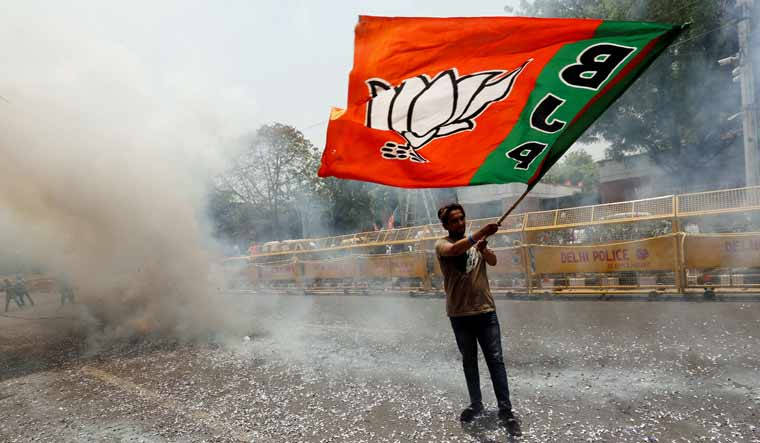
420	109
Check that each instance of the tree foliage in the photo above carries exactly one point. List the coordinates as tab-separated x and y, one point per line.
268	176
676	112
576	167
233	220
348	205
271	192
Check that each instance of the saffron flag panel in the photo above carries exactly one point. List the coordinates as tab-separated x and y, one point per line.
441	102
654	254
722	250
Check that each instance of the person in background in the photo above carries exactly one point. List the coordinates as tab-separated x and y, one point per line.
10	294
472	311
67	292
22	290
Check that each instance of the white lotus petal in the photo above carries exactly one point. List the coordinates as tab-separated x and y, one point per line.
405	93
379	106
494	90
434	106
466	89
455	127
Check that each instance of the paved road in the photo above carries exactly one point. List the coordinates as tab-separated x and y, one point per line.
351	369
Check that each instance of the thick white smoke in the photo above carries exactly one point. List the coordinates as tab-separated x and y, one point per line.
104	168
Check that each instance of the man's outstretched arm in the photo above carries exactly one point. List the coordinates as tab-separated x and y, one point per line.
462	245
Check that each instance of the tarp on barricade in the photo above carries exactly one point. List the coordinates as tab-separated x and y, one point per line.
375	266
406	265
703	251
652	254
279	271
409	265
339	268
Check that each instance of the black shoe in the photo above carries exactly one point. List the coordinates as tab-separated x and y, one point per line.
510	422
471	412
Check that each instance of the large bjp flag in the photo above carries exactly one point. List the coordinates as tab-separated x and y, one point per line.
439	102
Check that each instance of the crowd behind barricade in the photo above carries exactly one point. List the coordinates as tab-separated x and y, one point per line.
607	233
376	242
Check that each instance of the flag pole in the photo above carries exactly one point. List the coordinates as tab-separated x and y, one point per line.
514	205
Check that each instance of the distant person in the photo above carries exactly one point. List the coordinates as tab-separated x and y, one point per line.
67	292
471	309
10	294
422	233
22	291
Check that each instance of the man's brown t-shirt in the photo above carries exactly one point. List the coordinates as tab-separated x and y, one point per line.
465	281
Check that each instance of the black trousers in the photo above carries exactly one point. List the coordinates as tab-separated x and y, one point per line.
21	295
8	298
483	329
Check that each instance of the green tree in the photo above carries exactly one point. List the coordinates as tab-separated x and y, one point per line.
677	112
576	167
233	221
352	206
277	166
386	200
348	205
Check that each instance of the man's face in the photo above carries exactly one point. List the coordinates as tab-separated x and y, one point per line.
455	223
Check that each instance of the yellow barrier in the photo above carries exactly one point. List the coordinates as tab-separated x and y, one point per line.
345	267
508	261
668	253
278	272
409	265
654	254
405	265
722	250
375	266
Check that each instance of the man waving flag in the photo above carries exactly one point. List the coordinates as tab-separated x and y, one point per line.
443	102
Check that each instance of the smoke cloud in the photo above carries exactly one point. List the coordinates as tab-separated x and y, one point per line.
104	167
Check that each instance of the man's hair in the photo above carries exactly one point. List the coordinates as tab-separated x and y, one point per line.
443	213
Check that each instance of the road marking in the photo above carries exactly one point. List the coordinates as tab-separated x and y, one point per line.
207	419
